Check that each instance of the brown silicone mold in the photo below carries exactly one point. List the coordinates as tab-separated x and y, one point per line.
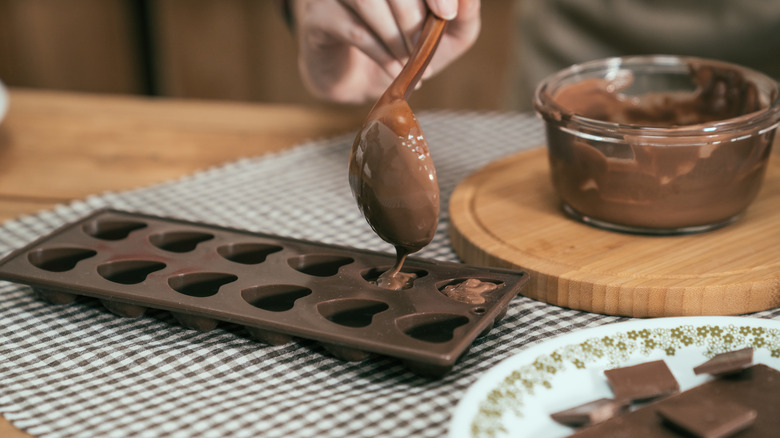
278	288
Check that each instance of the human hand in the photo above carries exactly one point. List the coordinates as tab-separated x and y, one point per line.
350	50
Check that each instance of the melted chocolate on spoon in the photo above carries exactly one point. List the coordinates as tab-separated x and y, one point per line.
391	172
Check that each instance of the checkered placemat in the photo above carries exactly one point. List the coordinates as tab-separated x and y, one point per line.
78	370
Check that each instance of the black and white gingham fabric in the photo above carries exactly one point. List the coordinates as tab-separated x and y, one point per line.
78	370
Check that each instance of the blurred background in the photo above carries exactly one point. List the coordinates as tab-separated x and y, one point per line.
212	49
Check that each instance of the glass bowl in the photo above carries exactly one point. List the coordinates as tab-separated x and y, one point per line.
658	144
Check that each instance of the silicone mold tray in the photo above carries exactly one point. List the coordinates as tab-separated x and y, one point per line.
276	287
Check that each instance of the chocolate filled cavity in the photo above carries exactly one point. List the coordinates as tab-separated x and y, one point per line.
396	280
470	290
387	278
277	288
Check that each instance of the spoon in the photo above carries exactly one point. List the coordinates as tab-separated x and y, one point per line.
391	172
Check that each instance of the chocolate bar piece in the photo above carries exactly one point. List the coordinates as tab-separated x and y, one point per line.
725	363
589	413
757	389
642	382
706	416
277	288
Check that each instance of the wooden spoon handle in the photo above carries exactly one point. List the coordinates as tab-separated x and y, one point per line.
404	83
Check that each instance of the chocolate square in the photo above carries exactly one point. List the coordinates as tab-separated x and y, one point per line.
726	363
642	382
589	413
710	417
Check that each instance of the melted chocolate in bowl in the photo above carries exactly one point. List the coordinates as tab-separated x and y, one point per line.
658	145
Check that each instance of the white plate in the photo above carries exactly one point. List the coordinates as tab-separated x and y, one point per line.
516	397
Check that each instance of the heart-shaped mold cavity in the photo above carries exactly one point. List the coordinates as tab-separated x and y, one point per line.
431	327
275	297
128	271
112	229
59	259
200	284
319	265
248	253
179	241
351	312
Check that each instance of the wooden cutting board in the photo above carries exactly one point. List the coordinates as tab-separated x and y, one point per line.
508	215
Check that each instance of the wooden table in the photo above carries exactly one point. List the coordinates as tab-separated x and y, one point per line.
58	147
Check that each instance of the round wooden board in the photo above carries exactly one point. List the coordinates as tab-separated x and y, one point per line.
508	215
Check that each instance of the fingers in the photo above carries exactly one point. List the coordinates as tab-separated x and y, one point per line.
394	24
446	9
343	23
409	16
333	44
345	45
379	17
466	23
459	35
